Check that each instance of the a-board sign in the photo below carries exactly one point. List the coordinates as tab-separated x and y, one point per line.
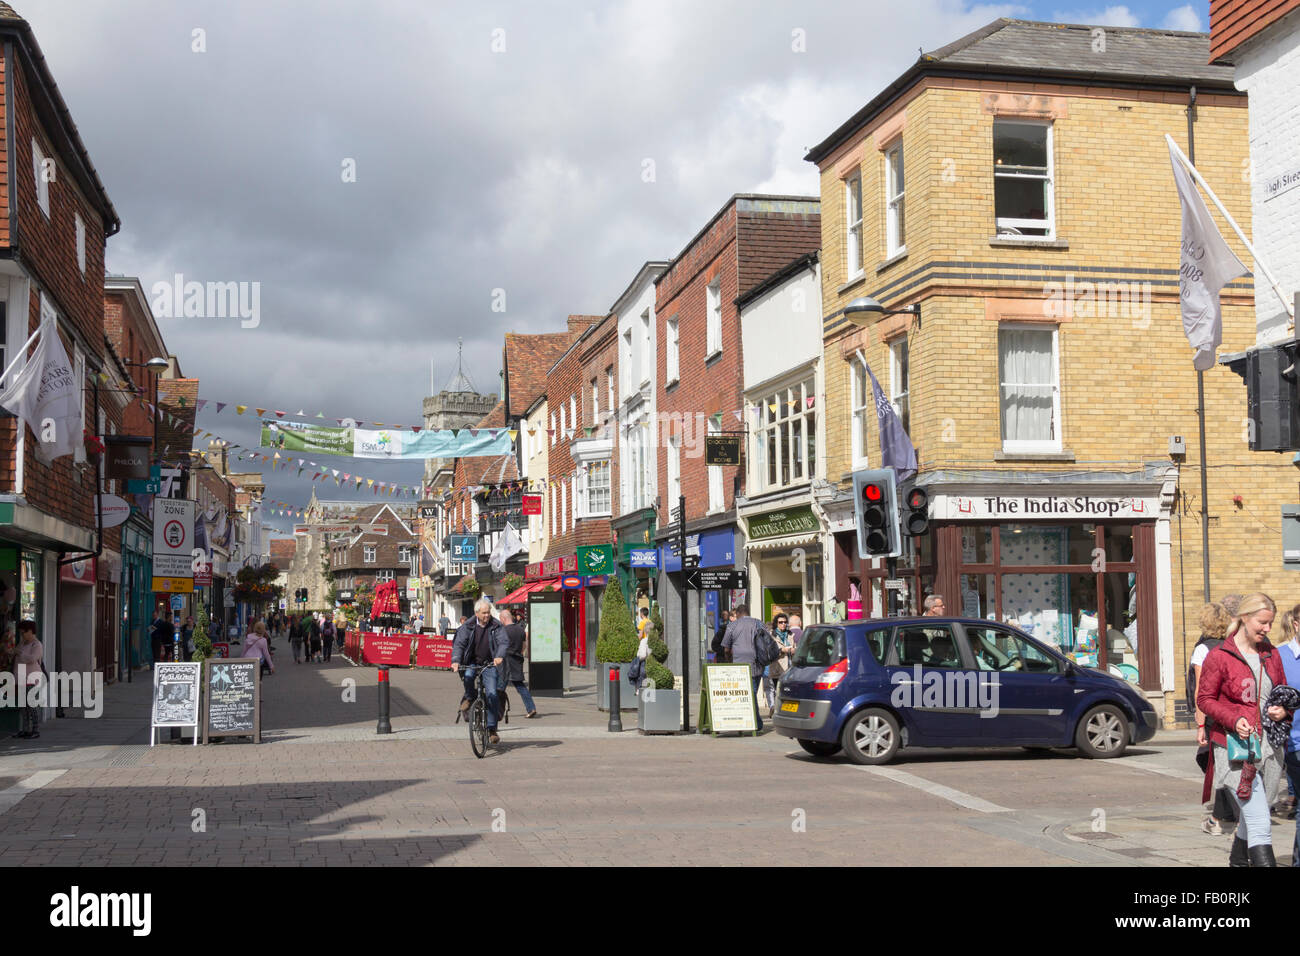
727	699
175	697
233	705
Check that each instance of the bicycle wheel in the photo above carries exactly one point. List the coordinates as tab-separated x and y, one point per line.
478	733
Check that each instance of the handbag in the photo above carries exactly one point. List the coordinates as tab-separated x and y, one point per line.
1252	748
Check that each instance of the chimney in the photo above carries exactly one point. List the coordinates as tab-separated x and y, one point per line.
579	323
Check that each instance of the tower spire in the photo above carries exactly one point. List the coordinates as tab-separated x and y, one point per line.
461	382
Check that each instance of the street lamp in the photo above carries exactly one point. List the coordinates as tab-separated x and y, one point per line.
864	310
157	365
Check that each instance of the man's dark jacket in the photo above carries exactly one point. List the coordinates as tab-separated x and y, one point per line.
462	643
515	659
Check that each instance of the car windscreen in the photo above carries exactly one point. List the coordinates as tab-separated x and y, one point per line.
819	647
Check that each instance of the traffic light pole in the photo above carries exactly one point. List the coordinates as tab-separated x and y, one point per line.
891	594
686	643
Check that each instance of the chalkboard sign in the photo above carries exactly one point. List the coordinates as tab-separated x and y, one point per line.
175	697
233	699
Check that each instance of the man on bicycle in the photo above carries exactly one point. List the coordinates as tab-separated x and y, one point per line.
481	642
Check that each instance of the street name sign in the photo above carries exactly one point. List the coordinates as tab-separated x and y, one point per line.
715	579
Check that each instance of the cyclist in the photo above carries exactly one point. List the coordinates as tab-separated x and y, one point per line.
481	642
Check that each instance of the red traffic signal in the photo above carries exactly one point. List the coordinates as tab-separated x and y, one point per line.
917	520
873	492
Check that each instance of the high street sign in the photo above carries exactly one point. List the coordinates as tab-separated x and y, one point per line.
715	579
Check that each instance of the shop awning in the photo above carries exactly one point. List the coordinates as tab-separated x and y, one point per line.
519	595
781	543
461	583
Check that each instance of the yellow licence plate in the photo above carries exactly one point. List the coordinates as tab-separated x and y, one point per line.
791	706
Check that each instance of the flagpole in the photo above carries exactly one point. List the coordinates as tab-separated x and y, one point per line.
22	352
1200	180
1200	376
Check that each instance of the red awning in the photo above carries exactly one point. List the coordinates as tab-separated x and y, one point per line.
520	594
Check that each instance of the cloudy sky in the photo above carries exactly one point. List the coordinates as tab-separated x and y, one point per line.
495	146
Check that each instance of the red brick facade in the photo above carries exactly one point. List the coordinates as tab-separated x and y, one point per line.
747	240
1233	22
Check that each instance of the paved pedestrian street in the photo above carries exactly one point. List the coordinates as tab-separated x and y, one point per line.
324	789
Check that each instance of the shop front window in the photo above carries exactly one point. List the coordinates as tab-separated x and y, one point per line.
29	594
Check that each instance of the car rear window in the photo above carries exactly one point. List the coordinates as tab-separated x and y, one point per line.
819	647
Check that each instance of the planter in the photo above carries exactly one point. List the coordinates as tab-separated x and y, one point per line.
659	711
626	696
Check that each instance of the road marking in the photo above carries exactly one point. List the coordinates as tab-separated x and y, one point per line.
937	790
10	796
1150	766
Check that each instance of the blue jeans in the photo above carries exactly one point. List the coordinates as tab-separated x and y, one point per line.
1293	775
526	697
468	673
1254	825
757	680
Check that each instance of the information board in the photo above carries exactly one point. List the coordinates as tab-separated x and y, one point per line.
234	699
545	629
175	697
727	699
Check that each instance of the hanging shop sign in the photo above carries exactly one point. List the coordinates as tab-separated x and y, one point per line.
596	559
113	510
571	582
643	557
722	449
776	524
127	456
531	504
464	548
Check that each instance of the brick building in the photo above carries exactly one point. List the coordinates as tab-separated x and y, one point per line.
380	548
700	380
54	219
1047	368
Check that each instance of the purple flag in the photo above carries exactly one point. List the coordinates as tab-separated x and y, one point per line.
896	449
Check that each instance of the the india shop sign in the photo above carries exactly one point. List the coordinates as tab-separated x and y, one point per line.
1084	507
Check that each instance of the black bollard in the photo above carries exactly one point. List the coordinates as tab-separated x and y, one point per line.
615	718
383	727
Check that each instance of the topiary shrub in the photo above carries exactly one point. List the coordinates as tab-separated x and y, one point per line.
657	672
202	643
618	639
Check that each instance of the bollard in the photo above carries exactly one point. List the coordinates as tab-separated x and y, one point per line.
615	718
383	727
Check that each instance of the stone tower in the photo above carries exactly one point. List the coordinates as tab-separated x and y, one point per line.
458	405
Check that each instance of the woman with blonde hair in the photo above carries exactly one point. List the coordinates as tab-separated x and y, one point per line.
1236	679
256	645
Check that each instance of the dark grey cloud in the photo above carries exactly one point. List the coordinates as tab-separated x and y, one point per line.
519	170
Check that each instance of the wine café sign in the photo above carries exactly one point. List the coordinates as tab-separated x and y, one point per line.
1016	505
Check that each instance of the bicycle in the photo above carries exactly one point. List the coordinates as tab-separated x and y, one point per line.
477	718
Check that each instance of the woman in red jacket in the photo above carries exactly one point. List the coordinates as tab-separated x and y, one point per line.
1236	676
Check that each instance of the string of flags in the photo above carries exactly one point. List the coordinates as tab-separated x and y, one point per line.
240	409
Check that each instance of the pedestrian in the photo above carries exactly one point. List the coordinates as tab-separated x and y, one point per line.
934	606
160	634
514	665
1214	621
30	656
1230	603
739	642
187	633
295	638
256	645
719	638
796	628
1290	654
772	673
327	639
642	621
481	644
444	625
1236	678
313	635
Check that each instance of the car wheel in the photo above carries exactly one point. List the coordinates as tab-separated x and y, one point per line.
1103	732
871	737
819	749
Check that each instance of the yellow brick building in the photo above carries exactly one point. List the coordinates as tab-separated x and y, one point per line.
1033	218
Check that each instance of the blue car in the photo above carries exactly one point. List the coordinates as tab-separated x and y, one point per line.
870	688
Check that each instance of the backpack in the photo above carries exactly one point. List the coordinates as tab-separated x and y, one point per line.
765	648
1191	674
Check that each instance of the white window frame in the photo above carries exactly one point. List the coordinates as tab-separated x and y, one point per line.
900	397
717	497
1034	446
42	184
550	511
895	204
625	346
595	401
554	432
713	328
672	354
1048	177
573	411
563	428
403	554
384	575
645	347
583	502
862	408
80	225
796	458
853	253
369	553
609	383
674	459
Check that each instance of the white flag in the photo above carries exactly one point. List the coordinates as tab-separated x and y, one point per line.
1207	264
45	394
508	543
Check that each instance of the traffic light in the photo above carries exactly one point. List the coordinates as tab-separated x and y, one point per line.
875	503
917	520
1272	395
